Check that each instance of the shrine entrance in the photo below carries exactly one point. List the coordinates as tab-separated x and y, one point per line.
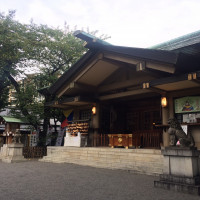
137	118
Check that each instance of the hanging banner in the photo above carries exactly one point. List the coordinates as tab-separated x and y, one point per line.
187	104
67	112
60	136
69	117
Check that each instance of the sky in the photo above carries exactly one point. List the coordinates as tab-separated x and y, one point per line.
133	23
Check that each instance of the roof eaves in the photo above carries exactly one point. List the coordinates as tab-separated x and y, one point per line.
179	42
149	54
89	38
71	72
15	120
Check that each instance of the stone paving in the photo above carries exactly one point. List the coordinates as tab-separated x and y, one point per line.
38	180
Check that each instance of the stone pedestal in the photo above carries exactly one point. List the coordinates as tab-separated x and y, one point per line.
78	141
12	153
181	170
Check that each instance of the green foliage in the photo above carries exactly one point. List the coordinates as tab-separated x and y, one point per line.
4	90
29	46
4	98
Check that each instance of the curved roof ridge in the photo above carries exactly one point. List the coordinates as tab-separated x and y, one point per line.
182	41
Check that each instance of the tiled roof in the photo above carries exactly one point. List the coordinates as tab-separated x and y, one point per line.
15	120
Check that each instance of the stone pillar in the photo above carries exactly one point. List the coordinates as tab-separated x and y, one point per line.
181	170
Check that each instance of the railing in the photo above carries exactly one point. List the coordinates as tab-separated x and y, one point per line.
147	138
34	152
142	139
101	139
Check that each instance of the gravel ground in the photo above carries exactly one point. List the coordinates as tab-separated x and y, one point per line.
38	180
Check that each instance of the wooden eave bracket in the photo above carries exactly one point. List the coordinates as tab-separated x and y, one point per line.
141	67
194	77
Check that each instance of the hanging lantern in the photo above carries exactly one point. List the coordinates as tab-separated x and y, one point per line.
163	102
94	110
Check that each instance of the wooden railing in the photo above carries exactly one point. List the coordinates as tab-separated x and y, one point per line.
102	140
141	139
34	152
147	138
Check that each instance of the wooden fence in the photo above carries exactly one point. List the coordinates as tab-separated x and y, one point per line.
147	138
34	152
142	139
102	140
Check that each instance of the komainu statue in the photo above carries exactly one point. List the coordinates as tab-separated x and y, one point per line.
176	133
17	137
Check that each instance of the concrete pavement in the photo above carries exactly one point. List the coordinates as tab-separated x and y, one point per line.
50	181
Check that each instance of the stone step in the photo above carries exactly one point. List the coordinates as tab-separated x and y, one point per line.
184	188
135	160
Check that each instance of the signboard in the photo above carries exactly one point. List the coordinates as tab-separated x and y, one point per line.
49	135
187	104
60	136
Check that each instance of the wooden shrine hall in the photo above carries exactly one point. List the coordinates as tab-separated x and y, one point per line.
127	95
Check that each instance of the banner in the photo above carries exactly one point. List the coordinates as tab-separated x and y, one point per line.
187	104
67	112
60	136
69	117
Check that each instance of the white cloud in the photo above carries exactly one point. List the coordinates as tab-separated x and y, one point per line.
129	22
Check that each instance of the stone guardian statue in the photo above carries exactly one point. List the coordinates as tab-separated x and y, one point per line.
176	133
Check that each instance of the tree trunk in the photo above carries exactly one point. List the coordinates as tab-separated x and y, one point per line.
46	123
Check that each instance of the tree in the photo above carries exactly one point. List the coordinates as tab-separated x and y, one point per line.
17	44
51	51
4	90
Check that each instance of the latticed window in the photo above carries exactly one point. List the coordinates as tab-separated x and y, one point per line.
85	114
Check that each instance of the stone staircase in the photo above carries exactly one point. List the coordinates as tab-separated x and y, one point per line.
144	161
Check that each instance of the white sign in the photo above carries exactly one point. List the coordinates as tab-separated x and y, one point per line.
60	136
185	128
49	134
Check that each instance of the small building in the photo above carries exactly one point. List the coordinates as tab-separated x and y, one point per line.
11	125
133	91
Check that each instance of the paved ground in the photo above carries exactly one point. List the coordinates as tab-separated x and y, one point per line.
38	180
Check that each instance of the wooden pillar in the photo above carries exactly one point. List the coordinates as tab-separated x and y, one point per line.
171	107
95	123
165	117
167	113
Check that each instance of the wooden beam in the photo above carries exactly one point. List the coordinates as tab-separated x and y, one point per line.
121	58
170	79
124	94
77	99
115	86
81	86
161	67
153	72
157	90
190	91
149	64
118	63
